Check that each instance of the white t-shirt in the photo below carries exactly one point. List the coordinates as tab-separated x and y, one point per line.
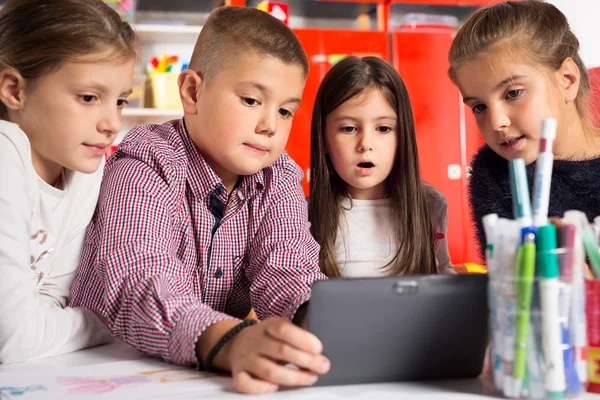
42	230
365	241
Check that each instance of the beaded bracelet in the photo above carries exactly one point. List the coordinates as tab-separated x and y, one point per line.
207	364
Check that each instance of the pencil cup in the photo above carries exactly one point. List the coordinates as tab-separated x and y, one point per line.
592	312
531	356
163	90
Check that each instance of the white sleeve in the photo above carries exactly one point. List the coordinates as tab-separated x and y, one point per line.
29	327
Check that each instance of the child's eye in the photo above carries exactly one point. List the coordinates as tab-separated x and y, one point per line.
384	129
122	103
285	113
249	101
347	129
479	108
513	94
88	98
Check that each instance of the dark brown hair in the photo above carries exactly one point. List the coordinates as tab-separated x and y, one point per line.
409	211
231	32
531	30
36	36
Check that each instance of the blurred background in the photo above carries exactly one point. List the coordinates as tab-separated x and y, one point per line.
413	35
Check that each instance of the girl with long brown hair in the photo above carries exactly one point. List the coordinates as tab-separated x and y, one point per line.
368	208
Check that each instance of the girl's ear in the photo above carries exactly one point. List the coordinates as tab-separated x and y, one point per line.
569	78
190	84
12	89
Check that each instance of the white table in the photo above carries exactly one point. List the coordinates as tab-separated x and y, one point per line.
125	360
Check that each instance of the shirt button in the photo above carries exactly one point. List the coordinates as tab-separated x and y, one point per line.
218	191
219	273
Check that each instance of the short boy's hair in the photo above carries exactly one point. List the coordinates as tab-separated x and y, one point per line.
230	32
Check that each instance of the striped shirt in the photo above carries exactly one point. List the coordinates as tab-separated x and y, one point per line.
164	258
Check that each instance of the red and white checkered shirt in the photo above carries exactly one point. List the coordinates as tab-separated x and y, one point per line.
153	268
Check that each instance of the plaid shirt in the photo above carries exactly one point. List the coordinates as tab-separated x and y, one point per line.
152	264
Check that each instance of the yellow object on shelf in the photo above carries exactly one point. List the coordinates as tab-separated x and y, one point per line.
470	268
476	268
163	90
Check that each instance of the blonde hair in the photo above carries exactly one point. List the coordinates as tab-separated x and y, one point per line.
535	30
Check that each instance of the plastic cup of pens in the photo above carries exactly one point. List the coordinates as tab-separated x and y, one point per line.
535	342
592	311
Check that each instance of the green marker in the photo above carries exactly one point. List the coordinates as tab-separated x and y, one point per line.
525	275
554	377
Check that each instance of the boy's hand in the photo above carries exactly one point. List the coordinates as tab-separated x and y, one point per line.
258	355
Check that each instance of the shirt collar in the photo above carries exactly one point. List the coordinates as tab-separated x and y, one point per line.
203	178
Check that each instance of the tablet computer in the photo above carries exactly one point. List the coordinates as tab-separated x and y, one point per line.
400	328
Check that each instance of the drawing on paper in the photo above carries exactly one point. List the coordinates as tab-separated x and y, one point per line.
20	391
80	385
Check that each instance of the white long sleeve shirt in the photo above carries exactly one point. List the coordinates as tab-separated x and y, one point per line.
42	230
365	241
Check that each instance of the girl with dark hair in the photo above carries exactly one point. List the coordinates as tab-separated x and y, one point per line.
368	208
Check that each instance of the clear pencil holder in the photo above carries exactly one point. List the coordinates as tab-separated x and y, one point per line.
532	347
592	312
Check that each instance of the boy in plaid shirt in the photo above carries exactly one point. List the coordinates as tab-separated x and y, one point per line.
202	218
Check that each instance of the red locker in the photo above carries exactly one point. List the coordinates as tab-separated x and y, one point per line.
473	142
324	47
446	140
594	99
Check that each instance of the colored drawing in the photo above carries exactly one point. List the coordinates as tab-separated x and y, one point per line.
19	391
87	385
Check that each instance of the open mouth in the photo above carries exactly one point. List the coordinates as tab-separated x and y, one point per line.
512	142
366	165
512	145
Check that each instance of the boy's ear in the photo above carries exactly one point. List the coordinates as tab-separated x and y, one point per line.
569	78
189	84
12	89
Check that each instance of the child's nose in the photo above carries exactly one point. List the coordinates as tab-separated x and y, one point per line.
499	119
110	122
268	123
366	142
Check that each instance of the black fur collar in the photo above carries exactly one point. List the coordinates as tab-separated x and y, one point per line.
575	186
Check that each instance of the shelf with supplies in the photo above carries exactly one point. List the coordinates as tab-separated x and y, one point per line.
167	33
139	116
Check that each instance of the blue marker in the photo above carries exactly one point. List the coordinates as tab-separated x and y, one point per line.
520	196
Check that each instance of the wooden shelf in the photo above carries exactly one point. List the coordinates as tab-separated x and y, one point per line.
159	33
152	112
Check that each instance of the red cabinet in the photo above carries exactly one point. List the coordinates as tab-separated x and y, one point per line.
445	139
446	133
324	47
448	2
